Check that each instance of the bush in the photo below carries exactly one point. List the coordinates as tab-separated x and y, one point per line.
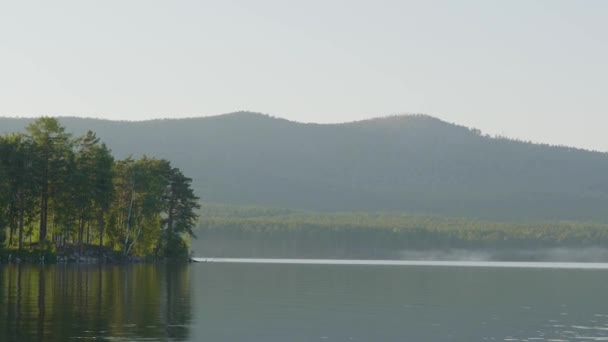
176	248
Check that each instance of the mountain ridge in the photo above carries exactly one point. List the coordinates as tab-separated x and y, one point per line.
15	121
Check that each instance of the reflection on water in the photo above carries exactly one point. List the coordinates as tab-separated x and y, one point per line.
234	302
63	302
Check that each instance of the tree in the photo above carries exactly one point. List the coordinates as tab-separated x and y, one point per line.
103	189
154	206
138	203
17	188
92	185
4	193
180	216
51	145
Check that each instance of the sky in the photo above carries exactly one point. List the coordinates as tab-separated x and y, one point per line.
528	69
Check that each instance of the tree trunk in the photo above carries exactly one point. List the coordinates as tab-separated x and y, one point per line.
20	242
102	224
88	233
11	232
43	217
80	232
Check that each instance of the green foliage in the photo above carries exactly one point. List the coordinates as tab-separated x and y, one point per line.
19	186
69	189
139	191
2	234
182	204
176	248
51	163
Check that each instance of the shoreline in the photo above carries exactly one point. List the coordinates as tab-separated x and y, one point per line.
27	256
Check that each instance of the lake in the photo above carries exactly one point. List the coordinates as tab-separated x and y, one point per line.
237	301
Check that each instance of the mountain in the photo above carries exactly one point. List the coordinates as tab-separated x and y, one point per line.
411	163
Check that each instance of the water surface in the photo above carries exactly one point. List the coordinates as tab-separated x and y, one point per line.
221	301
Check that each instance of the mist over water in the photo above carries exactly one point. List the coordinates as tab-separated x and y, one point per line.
214	247
589	254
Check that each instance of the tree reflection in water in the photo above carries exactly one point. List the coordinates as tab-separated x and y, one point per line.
61	302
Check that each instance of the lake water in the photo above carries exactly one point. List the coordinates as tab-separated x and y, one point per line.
238	301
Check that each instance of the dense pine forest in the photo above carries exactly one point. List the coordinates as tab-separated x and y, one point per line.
61	192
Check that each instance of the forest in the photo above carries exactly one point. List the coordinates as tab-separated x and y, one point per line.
228	231
60	192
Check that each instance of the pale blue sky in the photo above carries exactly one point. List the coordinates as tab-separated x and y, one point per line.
536	70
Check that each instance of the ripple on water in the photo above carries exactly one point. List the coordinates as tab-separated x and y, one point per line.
557	332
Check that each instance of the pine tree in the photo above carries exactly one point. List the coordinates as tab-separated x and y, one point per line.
52	146
181	216
16	154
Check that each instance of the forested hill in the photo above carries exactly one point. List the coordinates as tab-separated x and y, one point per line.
404	163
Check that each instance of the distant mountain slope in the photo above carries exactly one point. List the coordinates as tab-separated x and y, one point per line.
406	163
